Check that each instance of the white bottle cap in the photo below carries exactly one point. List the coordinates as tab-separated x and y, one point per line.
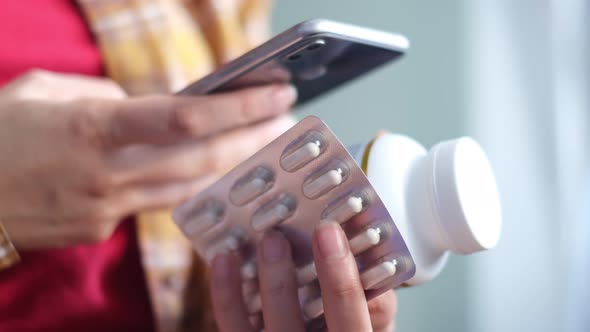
465	195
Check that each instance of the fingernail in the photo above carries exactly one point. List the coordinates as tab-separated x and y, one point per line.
285	96
330	240
274	247
222	267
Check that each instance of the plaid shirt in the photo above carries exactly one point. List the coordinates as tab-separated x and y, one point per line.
159	46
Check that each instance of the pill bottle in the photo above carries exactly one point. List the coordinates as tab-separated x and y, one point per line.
442	200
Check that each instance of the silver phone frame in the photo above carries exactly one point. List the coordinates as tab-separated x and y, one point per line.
289	38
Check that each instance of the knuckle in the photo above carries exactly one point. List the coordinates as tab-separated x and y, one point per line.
382	306
85	126
98	233
100	223
187	121
100	184
383	311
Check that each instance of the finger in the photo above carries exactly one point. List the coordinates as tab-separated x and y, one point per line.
152	164
345	305
162	119
382	310
144	164
154	196
226	151
278	286
226	295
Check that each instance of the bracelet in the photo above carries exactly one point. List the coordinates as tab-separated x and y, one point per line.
8	254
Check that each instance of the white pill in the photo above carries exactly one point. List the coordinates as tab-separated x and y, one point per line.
348	209
377	274
203	221
365	240
271	217
214	251
254	304
248	270
313	309
358	244
301	156
306	274
325	182
225	245
231	242
245	192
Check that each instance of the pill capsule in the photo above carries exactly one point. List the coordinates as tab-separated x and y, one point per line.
248	270
365	240
226	244
277	212
358	244
323	183
251	186
306	274
378	273
301	156
205	218
313	309
346	210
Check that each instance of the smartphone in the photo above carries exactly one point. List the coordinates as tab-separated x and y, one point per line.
315	56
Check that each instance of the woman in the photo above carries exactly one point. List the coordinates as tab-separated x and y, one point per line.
80	159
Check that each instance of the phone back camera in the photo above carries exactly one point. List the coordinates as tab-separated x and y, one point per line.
294	57
316	45
313	46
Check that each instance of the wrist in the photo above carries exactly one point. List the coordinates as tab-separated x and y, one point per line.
8	254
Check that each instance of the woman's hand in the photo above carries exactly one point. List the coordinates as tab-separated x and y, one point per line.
76	156
345	306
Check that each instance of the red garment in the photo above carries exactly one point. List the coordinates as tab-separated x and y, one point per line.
88	288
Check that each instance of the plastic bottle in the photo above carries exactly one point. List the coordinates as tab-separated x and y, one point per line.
442	200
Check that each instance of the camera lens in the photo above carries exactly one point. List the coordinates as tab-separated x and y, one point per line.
314	46
294	57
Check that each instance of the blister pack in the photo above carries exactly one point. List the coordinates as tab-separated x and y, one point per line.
303	177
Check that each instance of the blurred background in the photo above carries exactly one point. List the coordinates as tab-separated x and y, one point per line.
515	75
